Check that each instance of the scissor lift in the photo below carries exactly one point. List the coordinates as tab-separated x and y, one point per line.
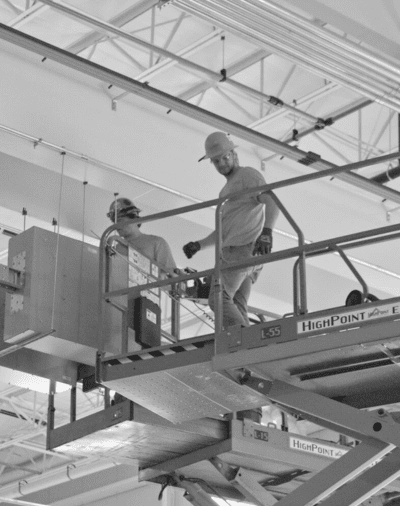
177	420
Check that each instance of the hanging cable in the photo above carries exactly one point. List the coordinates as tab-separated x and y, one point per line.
24	213
223	70
115	207
58	239
81	254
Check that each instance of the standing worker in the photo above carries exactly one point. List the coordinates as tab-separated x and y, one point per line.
122	211
247	224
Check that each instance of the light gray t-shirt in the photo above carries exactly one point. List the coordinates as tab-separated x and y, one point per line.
156	248
242	219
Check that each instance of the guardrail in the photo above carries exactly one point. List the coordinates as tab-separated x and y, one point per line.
302	251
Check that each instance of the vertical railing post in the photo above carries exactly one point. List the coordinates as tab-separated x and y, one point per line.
296	308
218	316
302	306
50	411
73	404
175	312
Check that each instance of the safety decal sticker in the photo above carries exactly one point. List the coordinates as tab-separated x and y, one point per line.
317	448
349	317
161	352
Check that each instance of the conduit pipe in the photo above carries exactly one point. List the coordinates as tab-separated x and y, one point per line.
194	67
250	23
296	26
56	476
37	141
351	48
301	44
343	48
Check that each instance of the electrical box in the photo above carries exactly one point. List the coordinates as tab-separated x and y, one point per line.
60	292
145	319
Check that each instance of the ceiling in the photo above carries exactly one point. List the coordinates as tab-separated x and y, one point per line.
127	90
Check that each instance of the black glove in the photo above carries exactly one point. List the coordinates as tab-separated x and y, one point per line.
191	248
263	244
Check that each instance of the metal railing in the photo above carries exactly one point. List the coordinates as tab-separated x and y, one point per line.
302	251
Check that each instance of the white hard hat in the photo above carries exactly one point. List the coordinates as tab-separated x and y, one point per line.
217	144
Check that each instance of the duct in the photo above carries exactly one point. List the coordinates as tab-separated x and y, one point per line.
342	61
194	67
144	91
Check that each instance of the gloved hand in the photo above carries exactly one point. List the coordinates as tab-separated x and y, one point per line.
263	244
191	248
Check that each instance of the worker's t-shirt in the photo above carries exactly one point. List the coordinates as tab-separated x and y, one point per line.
242	219
155	248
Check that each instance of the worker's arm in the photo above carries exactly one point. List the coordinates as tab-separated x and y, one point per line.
271	210
192	247
263	243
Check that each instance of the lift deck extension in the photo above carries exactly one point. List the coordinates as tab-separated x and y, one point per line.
176	381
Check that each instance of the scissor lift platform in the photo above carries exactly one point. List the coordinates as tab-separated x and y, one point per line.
357	351
304	365
232	457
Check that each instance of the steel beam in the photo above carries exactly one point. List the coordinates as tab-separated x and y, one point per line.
98	72
245	482
268	25
187	64
27	15
230	71
207	453
328	413
367	484
140	7
195	494
337	474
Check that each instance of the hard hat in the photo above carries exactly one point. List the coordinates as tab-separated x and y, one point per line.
122	208
217	144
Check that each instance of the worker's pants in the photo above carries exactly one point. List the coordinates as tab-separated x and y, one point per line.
236	285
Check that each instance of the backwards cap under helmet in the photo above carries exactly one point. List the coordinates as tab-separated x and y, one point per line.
122	208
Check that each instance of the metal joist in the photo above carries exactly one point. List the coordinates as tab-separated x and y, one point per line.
213	77
296	38
144	91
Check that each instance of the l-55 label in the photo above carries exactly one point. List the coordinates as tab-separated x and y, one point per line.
273	331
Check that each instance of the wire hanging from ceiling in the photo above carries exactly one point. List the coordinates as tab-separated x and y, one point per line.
58	239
